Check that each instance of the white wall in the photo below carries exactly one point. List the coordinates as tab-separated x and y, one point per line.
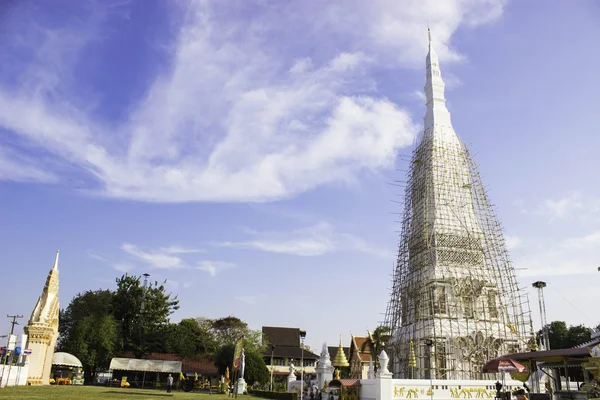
401	389
13	375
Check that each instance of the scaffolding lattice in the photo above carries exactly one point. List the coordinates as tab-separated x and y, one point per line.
453	283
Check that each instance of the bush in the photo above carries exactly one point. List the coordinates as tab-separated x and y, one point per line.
265	394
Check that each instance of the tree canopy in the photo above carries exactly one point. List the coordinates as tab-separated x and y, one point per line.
97	325
89	331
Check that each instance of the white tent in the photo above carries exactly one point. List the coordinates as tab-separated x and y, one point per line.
66	359
134	364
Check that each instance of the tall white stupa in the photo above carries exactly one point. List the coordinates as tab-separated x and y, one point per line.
42	330
454	293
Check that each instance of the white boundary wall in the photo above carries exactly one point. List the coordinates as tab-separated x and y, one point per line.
384	388
14	375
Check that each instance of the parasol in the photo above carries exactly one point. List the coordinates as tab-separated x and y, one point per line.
503	365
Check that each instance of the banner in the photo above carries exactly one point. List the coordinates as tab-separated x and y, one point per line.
237	354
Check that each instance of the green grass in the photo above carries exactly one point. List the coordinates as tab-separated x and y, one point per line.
100	392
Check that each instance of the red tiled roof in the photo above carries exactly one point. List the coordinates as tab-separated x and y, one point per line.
358	342
346	382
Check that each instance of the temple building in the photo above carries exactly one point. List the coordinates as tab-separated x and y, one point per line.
359	357
454	292
283	348
42	330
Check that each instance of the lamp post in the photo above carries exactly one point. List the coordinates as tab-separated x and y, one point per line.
272	350
429	344
302	336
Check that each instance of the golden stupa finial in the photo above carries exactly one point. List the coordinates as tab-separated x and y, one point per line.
340	359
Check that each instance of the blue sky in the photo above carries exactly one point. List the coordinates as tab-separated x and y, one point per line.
243	150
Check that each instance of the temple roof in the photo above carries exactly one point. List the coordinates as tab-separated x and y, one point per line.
357	345
286	342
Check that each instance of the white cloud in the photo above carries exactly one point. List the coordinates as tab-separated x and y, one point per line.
180	250
513	242
168	258
16	167
418	95
123	267
213	267
562	207
314	240
567	256
157	259
222	123
574	206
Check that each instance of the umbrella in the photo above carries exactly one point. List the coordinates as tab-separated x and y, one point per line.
503	365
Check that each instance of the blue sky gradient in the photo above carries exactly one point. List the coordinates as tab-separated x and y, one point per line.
243	150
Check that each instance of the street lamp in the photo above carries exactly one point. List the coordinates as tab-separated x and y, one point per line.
429	344
272	350
302	336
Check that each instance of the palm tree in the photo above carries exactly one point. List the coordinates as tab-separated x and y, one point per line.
376	343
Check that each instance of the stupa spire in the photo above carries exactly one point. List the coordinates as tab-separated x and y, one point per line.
437	113
454	286
55	267
340	359
43	330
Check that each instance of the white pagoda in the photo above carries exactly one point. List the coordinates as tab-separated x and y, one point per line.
42	330
454	295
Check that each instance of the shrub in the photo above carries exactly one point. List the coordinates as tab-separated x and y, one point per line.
265	394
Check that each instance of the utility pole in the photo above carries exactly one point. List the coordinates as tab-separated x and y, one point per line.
13	322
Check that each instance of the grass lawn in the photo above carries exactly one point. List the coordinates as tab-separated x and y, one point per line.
100	392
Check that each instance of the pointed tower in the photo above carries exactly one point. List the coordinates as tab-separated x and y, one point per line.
454	293
340	359
42	330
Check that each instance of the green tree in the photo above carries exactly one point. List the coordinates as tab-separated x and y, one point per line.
99	302
376	342
189	339
557	333
256	369
578	334
94	342
142	313
562	337
228	330
224	358
88	331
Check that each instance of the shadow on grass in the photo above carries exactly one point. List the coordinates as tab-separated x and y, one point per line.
139	394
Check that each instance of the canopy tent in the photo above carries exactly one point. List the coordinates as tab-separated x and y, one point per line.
66	359
134	364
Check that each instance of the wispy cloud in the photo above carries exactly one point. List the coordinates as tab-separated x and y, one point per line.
311	120
20	168
157	259
567	256
513	242
169	258
571	206
123	267
180	250
314	240
213	267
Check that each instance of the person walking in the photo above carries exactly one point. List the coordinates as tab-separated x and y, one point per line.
169	383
